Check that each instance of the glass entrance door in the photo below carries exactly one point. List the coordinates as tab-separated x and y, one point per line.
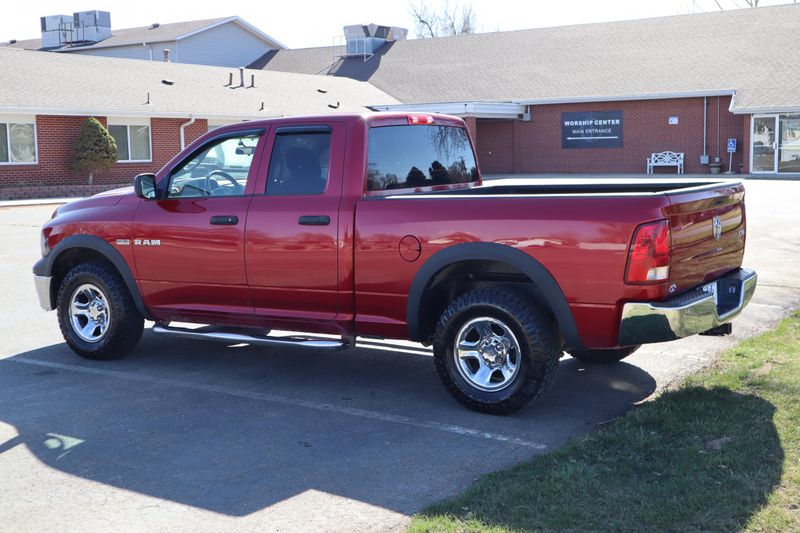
789	143
763	144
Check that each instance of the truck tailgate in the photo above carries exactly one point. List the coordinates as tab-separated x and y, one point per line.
699	253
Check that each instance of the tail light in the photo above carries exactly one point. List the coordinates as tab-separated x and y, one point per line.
417	120
648	259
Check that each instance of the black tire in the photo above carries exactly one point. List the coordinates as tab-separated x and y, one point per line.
125	323
603	357
537	338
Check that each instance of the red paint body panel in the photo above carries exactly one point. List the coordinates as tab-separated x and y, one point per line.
292	269
349	276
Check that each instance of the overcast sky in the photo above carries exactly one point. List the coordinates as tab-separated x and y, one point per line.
303	23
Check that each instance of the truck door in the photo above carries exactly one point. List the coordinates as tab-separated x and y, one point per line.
189	246
292	226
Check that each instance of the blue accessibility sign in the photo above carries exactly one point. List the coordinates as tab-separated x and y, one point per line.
731	146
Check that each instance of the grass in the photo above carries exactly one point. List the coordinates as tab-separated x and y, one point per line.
719	453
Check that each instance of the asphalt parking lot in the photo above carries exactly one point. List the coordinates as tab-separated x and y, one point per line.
213	437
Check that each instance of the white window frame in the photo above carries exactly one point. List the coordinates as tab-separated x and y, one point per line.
776	119
20	119
133	121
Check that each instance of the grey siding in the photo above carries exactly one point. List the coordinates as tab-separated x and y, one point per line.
132	51
228	45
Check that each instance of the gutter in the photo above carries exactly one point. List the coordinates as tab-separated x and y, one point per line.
191	121
625	97
18	110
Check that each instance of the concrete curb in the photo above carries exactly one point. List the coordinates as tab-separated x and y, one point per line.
37	201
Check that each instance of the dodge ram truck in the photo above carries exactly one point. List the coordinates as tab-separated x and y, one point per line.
379	225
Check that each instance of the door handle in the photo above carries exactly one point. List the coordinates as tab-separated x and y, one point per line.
314	220
224	220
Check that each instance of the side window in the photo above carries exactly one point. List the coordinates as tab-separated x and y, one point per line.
299	164
402	157
219	168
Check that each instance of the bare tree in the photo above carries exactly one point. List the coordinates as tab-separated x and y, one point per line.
428	23
750	3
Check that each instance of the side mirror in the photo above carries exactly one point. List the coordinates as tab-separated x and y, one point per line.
144	185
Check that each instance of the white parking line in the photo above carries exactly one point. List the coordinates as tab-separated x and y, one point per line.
284	400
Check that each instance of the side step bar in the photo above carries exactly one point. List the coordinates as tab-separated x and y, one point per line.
237	336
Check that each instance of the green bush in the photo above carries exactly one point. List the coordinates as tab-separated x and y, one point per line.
95	149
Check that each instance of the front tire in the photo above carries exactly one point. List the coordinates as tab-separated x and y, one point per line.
96	313
495	351
603	357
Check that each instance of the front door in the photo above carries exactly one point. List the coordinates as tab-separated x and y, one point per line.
189	247
292	227
763	144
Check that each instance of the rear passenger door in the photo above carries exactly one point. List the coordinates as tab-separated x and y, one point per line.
291	236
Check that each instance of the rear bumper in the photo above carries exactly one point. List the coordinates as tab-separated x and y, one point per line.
690	313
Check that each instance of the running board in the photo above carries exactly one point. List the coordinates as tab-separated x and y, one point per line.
236	337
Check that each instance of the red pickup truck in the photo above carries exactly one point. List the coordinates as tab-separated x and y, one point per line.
379	225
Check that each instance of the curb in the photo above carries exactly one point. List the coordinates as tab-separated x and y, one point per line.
39	201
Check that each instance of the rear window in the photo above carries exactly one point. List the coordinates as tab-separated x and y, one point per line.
418	156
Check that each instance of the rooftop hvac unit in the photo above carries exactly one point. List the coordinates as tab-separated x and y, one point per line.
365	39
92	26
84	27
56	30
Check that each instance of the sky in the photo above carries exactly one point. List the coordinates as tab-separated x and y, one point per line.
306	23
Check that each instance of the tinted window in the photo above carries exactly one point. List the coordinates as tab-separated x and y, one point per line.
419	156
219	168
299	164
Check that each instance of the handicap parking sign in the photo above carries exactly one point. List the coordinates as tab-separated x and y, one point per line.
731	146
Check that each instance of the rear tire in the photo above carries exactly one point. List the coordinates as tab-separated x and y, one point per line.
96	313
603	357
495	351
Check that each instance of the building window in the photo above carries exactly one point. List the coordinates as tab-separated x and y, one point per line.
133	140
17	142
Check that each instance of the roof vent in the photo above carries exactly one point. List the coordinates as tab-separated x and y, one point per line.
365	39
154	25
12	41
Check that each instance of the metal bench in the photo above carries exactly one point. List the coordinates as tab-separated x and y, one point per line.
665	159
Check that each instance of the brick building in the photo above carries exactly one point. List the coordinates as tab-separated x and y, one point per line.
685	83
152	109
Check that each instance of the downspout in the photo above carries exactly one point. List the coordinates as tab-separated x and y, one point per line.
705	126
191	121
718	128
150	48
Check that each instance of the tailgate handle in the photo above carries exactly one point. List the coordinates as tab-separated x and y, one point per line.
224	220
314	220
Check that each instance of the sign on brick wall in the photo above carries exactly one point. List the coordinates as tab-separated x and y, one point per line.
591	129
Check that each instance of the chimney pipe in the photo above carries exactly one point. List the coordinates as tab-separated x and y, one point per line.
252	81
241	76
166	55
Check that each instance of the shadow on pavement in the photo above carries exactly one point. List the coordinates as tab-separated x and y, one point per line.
229	450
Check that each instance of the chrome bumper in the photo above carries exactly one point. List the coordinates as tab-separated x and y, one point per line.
43	291
690	313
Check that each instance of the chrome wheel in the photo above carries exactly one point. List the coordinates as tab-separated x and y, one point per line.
89	314
487	354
